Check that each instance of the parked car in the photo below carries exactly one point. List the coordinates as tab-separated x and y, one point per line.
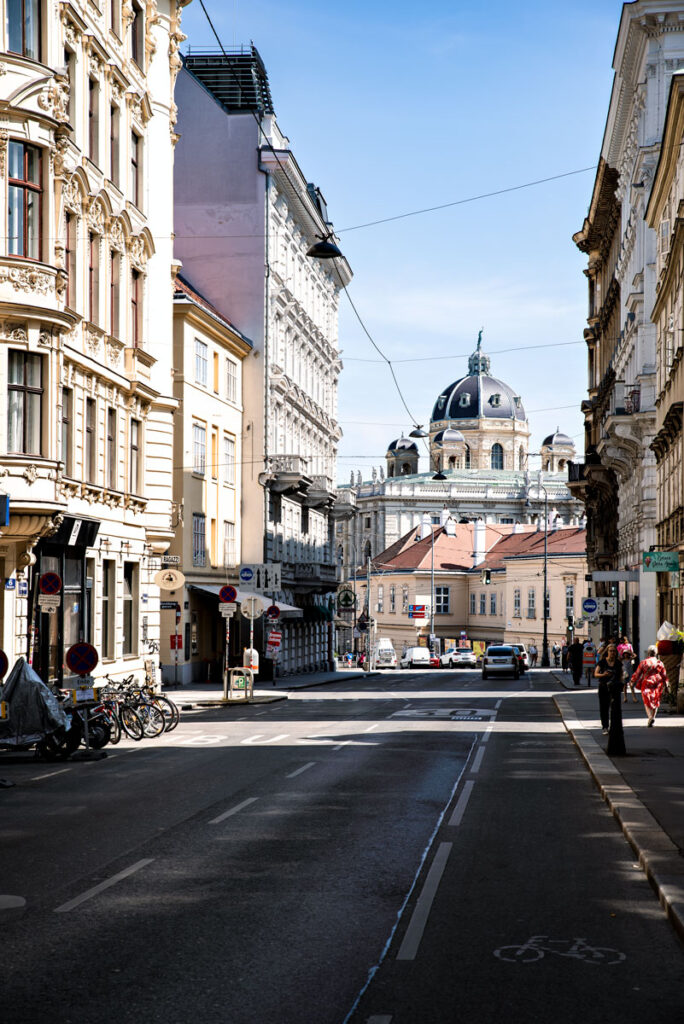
501	659
434	660
384	654
415	657
458	658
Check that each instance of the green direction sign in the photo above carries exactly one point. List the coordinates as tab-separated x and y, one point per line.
661	561
346	600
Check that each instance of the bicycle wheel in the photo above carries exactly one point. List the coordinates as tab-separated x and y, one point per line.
519	954
130	722
152	719
168	709
604	954
114	726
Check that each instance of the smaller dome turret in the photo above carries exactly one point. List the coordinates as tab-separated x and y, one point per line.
402	457
556	451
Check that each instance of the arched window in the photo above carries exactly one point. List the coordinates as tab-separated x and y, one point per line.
452	462
497	457
466	457
367	551
406	469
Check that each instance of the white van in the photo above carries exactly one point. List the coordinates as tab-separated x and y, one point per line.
384	654
415	657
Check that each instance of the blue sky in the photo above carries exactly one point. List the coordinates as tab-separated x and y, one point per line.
393	107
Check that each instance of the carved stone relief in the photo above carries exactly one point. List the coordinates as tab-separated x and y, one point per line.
28	280
10	331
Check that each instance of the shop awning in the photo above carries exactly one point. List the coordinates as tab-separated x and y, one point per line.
287	611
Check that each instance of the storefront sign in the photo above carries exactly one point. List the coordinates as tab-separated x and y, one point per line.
661	561
10	583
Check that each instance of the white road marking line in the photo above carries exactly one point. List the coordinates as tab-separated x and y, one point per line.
280	736
459	810
383	1018
39	778
339	746
498	704
300	770
371	727
487	733
65	907
478	761
257	713
233	810
414	932
253	739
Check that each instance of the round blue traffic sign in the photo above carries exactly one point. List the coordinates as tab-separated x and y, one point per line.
82	659
589	605
227	594
246	574
50	583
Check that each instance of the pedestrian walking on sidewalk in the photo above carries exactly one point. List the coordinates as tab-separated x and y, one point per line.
651	678
589	660
576	660
609	675
564	656
627	656
533	655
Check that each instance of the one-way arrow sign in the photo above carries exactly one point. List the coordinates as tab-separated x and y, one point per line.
607	605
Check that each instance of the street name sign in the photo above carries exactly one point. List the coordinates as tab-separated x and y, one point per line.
616	576
416	611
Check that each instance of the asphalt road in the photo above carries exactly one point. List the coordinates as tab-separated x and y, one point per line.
382	854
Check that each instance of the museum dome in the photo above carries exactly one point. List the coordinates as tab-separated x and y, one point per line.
402	444
558	438
478	395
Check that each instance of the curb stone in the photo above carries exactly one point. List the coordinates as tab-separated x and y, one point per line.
658	857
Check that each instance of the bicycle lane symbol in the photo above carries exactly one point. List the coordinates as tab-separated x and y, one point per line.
574	949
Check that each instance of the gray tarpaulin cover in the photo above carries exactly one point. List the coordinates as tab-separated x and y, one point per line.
33	708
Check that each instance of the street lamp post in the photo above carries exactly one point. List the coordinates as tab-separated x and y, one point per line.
546	663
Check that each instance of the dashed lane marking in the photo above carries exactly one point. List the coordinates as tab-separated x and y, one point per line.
78	900
419	918
49	775
478	761
233	810
299	771
459	810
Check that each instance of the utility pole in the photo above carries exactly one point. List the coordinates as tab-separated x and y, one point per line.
368	614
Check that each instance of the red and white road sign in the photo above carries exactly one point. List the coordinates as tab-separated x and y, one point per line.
176	641
274	638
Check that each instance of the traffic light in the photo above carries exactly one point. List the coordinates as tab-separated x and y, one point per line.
486	576
571	624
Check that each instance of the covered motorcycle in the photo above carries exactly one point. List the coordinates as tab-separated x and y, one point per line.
34	710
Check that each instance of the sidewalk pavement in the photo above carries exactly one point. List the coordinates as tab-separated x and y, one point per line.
644	789
209	694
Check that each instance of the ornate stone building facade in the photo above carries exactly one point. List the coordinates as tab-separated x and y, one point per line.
664	216
478	450
618	478
86	152
246	217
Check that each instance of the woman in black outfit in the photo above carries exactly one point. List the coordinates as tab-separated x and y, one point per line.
609	675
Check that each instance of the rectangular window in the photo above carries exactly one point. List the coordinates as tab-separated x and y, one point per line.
136	309
93	278
130	607
90	453
24	195
531	604
70	65
213	540
442	600
569	600
115	17
228	460
380	606
136	169
93	121
108	607
214	453
137	34
483	604
492	604
404	598
24	403
393	600
114	136
199	449
231	381
114	292
199	539
134	463
111	449
229	558
23	28
201	362
67	431
472	604
516	604
70	258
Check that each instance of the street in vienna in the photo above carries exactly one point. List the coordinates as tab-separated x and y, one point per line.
401	848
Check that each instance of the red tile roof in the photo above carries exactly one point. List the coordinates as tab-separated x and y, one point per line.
569	540
183	287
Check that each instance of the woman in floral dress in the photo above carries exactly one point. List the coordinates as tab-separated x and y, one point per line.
651	678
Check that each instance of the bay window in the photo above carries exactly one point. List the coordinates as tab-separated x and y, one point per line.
24	200
23	28
24	403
